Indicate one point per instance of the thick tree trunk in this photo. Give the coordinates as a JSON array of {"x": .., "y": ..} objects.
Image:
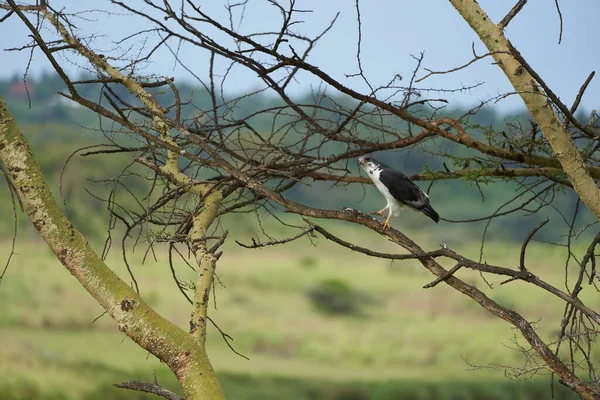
[
  {"x": 493, "y": 37},
  {"x": 175, "y": 347}
]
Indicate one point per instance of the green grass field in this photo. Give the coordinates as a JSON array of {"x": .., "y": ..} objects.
[{"x": 405, "y": 341}]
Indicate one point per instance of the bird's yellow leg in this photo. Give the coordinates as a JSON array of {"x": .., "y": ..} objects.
[
  {"x": 386, "y": 224},
  {"x": 380, "y": 212}
]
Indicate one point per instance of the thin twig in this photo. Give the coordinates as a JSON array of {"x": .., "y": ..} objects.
[
  {"x": 580, "y": 96},
  {"x": 474, "y": 59},
  {"x": 149, "y": 388},
  {"x": 389, "y": 256},
  {"x": 256, "y": 245},
  {"x": 561, "y": 21},
  {"x": 526, "y": 242},
  {"x": 12, "y": 191},
  {"x": 443, "y": 278}
]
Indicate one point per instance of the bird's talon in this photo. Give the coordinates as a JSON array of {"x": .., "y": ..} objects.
[{"x": 380, "y": 213}]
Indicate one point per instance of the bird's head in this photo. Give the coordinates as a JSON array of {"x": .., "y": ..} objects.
[{"x": 367, "y": 163}]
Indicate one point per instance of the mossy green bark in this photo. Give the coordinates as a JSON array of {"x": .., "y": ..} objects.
[
  {"x": 211, "y": 198},
  {"x": 207, "y": 262},
  {"x": 175, "y": 347}
]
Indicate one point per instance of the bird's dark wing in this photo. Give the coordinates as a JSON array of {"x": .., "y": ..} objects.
[
  {"x": 407, "y": 192},
  {"x": 403, "y": 189}
]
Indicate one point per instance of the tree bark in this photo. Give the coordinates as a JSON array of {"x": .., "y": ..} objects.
[
  {"x": 207, "y": 262},
  {"x": 536, "y": 101},
  {"x": 175, "y": 347}
]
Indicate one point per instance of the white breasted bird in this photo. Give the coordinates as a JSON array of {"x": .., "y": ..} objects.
[{"x": 398, "y": 190}]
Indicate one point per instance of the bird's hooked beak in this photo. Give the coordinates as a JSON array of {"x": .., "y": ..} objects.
[{"x": 361, "y": 160}]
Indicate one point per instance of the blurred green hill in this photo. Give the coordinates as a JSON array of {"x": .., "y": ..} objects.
[{"x": 401, "y": 342}]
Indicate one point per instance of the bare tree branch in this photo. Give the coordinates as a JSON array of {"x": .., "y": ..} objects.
[
  {"x": 511, "y": 14},
  {"x": 526, "y": 242},
  {"x": 146, "y": 387}
]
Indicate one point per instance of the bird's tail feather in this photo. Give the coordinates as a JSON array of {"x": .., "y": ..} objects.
[{"x": 431, "y": 213}]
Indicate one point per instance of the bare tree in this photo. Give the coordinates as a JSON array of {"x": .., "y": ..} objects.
[{"x": 198, "y": 168}]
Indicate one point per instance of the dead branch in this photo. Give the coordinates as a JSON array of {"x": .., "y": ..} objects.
[
  {"x": 256, "y": 245},
  {"x": 511, "y": 14},
  {"x": 147, "y": 387},
  {"x": 526, "y": 242}
]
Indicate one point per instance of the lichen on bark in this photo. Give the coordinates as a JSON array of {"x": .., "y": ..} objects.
[
  {"x": 537, "y": 103},
  {"x": 172, "y": 345}
]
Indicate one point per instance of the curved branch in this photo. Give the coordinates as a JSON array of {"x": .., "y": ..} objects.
[
  {"x": 135, "y": 318},
  {"x": 526, "y": 242}
]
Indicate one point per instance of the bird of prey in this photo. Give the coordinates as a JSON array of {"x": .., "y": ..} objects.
[{"x": 398, "y": 190}]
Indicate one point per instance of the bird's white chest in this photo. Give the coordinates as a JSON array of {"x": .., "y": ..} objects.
[{"x": 394, "y": 205}]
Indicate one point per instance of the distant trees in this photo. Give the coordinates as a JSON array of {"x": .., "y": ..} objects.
[{"x": 200, "y": 168}]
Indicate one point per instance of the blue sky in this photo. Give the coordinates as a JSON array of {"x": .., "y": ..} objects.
[{"x": 392, "y": 32}]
